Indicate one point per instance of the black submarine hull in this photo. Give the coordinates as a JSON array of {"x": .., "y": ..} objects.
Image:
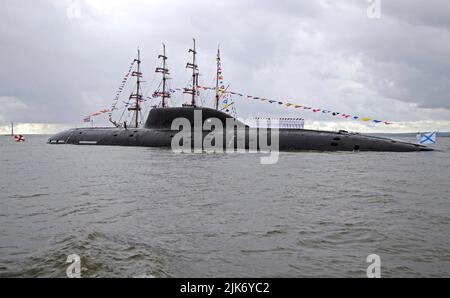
[{"x": 158, "y": 132}]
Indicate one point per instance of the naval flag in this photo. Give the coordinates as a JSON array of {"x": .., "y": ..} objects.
[
  {"x": 19, "y": 138},
  {"x": 427, "y": 138}
]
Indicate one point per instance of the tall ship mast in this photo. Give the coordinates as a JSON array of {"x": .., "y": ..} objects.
[
  {"x": 137, "y": 96},
  {"x": 195, "y": 74},
  {"x": 165, "y": 72},
  {"x": 221, "y": 94},
  {"x": 218, "y": 74}
]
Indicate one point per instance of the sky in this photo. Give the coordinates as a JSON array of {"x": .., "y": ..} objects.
[{"x": 61, "y": 60}]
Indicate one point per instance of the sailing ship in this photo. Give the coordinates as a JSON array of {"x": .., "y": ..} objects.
[
  {"x": 11, "y": 134},
  {"x": 17, "y": 138},
  {"x": 157, "y": 131}
]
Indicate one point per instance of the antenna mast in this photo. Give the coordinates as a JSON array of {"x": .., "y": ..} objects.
[
  {"x": 137, "y": 96},
  {"x": 12, "y": 128},
  {"x": 194, "y": 68},
  {"x": 164, "y": 71}
]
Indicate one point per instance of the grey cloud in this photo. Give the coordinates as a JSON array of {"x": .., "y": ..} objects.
[
  {"x": 319, "y": 52},
  {"x": 431, "y": 13}
]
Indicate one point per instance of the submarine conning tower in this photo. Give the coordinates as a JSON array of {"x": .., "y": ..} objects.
[{"x": 162, "y": 118}]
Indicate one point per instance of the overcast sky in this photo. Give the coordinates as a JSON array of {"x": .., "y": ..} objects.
[{"x": 61, "y": 60}]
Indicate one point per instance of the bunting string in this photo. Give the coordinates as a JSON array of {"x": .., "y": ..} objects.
[
  {"x": 227, "y": 100},
  {"x": 276, "y": 102},
  {"x": 122, "y": 86},
  {"x": 228, "y": 104},
  {"x": 115, "y": 101},
  {"x": 303, "y": 107}
]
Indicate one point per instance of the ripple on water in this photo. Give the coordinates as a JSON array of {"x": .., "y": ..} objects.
[
  {"x": 102, "y": 255},
  {"x": 35, "y": 195}
]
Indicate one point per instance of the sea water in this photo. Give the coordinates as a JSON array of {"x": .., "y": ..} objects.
[{"x": 148, "y": 212}]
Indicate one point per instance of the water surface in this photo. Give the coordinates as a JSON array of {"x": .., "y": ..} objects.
[{"x": 149, "y": 212}]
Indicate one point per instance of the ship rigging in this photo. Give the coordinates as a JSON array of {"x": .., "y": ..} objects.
[
  {"x": 195, "y": 74},
  {"x": 164, "y": 71},
  {"x": 137, "y": 96},
  {"x": 222, "y": 100}
]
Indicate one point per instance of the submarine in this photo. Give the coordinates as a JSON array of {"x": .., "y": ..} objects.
[{"x": 159, "y": 129}]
